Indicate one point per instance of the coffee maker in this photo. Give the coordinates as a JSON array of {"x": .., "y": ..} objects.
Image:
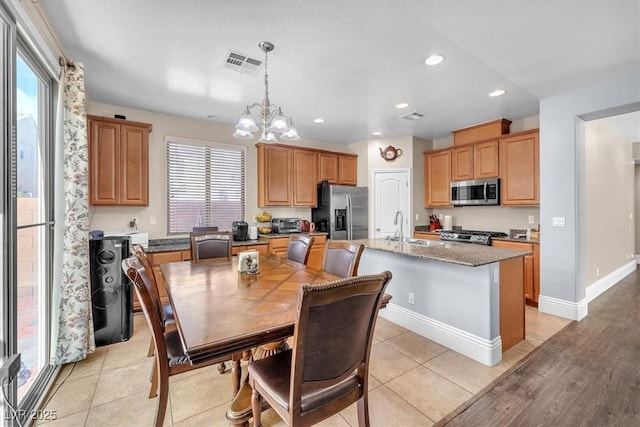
[{"x": 240, "y": 231}]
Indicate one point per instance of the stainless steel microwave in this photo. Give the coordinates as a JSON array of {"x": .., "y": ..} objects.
[{"x": 478, "y": 192}]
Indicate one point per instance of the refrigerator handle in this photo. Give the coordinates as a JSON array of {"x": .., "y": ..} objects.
[{"x": 349, "y": 218}]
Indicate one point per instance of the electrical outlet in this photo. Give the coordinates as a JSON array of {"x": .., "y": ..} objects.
[
  {"x": 417, "y": 217},
  {"x": 532, "y": 219},
  {"x": 412, "y": 298},
  {"x": 9, "y": 368},
  {"x": 152, "y": 220},
  {"x": 558, "y": 222},
  {"x": 597, "y": 272}
]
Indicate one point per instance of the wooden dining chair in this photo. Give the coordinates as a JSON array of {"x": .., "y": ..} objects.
[
  {"x": 299, "y": 248},
  {"x": 341, "y": 257},
  {"x": 169, "y": 357},
  {"x": 206, "y": 245},
  {"x": 327, "y": 369}
]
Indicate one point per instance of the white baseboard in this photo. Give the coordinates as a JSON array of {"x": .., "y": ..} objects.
[
  {"x": 578, "y": 310},
  {"x": 600, "y": 286},
  {"x": 484, "y": 351}
]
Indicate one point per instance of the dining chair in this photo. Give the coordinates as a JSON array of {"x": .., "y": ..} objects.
[
  {"x": 169, "y": 357},
  {"x": 299, "y": 248},
  {"x": 203, "y": 229},
  {"x": 206, "y": 245},
  {"x": 341, "y": 257},
  {"x": 327, "y": 368}
]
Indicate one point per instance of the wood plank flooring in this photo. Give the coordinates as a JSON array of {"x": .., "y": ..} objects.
[{"x": 586, "y": 375}]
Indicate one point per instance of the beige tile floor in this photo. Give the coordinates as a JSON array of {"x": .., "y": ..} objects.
[{"x": 414, "y": 381}]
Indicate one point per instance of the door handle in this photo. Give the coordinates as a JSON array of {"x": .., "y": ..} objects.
[
  {"x": 378, "y": 229},
  {"x": 484, "y": 191}
]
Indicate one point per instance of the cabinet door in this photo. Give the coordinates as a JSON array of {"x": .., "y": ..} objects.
[
  {"x": 347, "y": 170},
  {"x": 535, "y": 292},
  {"x": 316, "y": 256},
  {"x": 274, "y": 176},
  {"x": 328, "y": 167},
  {"x": 437, "y": 184},
  {"x": 304, "y": 178},
  {"x": 134, "y": 161},
  {"x": 104, "y": 163},
  {"x": 520, "y": 169},
  {"x": 486, "y": 160},
  {"x": 462, "y": 163},
  {"x": 426, "y": 236}
]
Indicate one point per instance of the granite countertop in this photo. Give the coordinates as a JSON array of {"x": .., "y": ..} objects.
[
  {"x": 457, "y": 253},
  {"x": 184, "y": 244}
]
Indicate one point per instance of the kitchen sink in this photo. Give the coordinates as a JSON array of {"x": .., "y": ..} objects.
[{"x": 425, "y": 242}]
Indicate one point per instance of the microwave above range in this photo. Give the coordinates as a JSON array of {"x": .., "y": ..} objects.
[{"x": 478, "y": 192}]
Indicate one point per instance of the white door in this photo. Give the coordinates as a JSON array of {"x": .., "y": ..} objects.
[{"x": 390, "y": 195}]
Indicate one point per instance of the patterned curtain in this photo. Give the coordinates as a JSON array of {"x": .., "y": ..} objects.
[{"x": 73, "y": 331}]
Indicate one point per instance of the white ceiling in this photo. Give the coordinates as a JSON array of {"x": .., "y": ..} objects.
[{"x": 349, "y": 62}]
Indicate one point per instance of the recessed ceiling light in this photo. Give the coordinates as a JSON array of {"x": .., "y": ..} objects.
[
  {"x": 376, "y": 133},
  {"x": 434, "y": 60},
  {"x": 318, "y": 120},
  {"x": 213, "y": 116},
  {"x": 497, "y": 92},
  {"x": 402, "y": 105}
]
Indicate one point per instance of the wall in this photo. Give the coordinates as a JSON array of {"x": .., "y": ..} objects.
[
  {"x": 608, "y": 219},
  {"x": 111, "y": 218},
  {"x": 562, "y": 287}
]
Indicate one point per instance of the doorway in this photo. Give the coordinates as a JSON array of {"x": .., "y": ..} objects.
[{"x": 391, "y": 189}]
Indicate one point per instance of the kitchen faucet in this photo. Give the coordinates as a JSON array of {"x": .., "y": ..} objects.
[{"x": 395, "y": 222}]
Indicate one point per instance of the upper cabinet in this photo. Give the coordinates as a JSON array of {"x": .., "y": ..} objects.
[
  {"x": 520, "y": 168},
  {"x": 118, "y": 162},
  {"x": 486, "y": 159},
  {"x": 437, "y": 176},
  {"x": 337, "y": 168},
  {"x": 288, "y": 176},
  {"x": 481, "y": 132}
]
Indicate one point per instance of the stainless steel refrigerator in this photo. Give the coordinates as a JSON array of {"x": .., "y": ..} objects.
[{"x": 342, "y": 211}]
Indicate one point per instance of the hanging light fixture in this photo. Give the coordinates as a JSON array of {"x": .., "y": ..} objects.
[{"x": 271, "y": 119}]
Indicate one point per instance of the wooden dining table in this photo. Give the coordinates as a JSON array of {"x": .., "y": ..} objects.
[{"x": 222, "y": 312}]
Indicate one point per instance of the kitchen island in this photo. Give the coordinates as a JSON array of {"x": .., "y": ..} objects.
[{"x": 467, "y": 297}]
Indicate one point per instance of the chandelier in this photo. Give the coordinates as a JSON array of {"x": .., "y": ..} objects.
[{"x": 271, "y": 120}]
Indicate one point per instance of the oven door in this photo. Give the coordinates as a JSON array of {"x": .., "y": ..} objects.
[{"x": 476, "y": 193}]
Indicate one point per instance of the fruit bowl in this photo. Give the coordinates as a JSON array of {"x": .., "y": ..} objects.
[{"x": 264, "y": 230}]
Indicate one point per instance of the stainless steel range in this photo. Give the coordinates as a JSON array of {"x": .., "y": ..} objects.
[{"x": 471, "y": 236}]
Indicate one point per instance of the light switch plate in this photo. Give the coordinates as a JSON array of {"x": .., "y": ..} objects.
[
  {"x": 558, "y": 222},
  {"x": 532, "y": 219}
]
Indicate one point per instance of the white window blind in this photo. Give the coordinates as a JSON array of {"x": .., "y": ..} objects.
[{"x": 205, "y": 185}]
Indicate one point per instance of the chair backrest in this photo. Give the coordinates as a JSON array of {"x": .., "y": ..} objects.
[
  {"x": 203, "y": 229},
  {"x": 341, "y": 257},
  {"x": 299, "y": 248},
  {"x": 334, "y": 331},
  {"x": 138, "y": 251},
  {"x": 140, "y": 278},
  {"x": 210, "y": 245}
]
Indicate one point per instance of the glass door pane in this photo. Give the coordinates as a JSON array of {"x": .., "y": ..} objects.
[{"x": 32, "y": 234}]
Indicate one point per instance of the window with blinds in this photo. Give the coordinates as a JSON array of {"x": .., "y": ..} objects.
[{"x": 205, "y": 185}]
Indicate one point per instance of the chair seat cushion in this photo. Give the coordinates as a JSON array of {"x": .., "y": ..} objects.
[
  {"x": 167, "y": 314},
  {"x": 174, "y": 349},
  {"x": 274, "y": 375}
]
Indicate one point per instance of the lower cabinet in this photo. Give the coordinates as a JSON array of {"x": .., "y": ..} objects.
[
  {"x": 262, "y": 249},
  {"x": 531, "y": 267},
  {"x": 278, "y": 246},
  {"x": 157, "y": 258},
  {"x": 426, "y": 236}
]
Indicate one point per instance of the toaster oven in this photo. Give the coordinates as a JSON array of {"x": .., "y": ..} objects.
[{"x": 286, "y": 225}]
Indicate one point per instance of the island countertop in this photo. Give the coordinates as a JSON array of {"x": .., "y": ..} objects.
[{"x": 468, "y": 254}]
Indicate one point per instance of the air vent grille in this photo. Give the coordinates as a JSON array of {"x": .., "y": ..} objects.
[
  {"x": 411, "y": 116},
  {"x": 241, "y": 63}
]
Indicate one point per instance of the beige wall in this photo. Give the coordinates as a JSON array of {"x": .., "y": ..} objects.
[
  {"x": 609, "y": 201},
  {"x": 112, "y": 218}
]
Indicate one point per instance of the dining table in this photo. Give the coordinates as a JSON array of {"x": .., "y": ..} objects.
[{"x": 222, "y": 312}]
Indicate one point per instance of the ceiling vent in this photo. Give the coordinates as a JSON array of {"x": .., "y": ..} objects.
[
  {"x": 242, "y": 63},
  {"x": 411, "y": 116}
]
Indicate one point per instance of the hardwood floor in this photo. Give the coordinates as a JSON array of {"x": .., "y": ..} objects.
[{"x": 586, "y": 375}]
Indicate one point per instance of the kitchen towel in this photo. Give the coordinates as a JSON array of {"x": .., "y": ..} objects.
[{"x": 447, "y": 222}]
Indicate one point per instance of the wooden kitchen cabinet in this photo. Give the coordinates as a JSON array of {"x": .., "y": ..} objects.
[
  {"x": 520, "y": 169},
  {"x": 275, "y": 178},
  {"x": 262, "y": 249},
  {"x": 304, "y": 178},
  {"x": 277, "y": 245},
  {"x": 337, "y": 168},
  {"x": 118, "y": 162},
  {"x": 316, "y": 257},
  {"x": 531, "y": 267},
  {"x": 426, "y": 236},
  {"x": 157, "y": 258},
  {"x": 475, "y": 161},
  {"x": 437, "y": 177}
]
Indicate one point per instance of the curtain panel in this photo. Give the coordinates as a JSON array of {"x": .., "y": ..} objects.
[{"x": 74, "y": 337}]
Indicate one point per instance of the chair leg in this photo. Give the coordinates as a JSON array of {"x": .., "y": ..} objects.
[
  {"x": 151, "y": 349},
  {"x": 256, "y": 407},
  {"x": 161, "y": 407},
  {"x": 363, "y": 411},
  {"x": 153, "y": 392}
]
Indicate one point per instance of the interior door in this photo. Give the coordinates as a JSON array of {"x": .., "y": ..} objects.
[{"x": 390, "y": 194}]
